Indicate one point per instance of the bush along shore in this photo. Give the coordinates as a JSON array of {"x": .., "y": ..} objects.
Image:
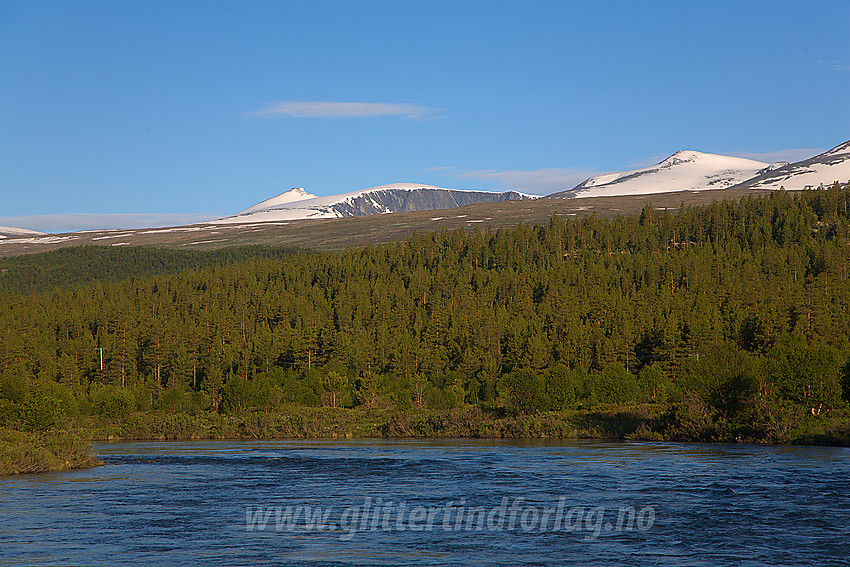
[
  {"x": 70, "y": 447},
  {"x": 24, "y": 452},
  {"x": 334, "y": 423},
  {"x": 727, "y": 322},
  {"x": 640, "y": 422}
]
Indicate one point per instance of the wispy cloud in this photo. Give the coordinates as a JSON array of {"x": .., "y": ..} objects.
[
  {"x": 318, "y": 109},
  {"x": 792, "y": 155},
  {"x": 834, "y": 64},
  {"x": 536, "y": 182},
  {"x": 73, "y": 222}
]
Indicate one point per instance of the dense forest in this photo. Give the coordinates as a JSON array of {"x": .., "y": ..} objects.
[
  {"x": 730, "y": 319},
  {"x": 70, "y": 267}
]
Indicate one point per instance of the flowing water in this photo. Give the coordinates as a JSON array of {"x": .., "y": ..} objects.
[{"x": 434, "y": 502}]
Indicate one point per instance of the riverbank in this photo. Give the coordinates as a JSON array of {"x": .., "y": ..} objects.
[
  {"x": 26, "y": 452},
  {"x": 299, "y": 422},
  {"x": 641, "y": 422},
  {"x": 23, "y": 452}
]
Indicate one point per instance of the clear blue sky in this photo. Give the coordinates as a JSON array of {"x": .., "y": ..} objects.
[{"x": 206, "y": 108}]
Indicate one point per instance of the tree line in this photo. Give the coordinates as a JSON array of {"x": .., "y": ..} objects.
[
  {"x": 79, "y": 265},
  {"x": 733, "y": 314}
]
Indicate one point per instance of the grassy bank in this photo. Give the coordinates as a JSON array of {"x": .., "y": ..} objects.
[
  {"x": 57, "y": 450},
  {"x": 643, "y": 422},
  {"x": 300, "y": 422},
  {"x": 26, "y": 452}
]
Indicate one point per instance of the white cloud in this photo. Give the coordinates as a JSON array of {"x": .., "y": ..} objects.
[
  {"x": 792, "y": 155},
  {"x": 73, "y": 222},
  {"x": 536, "y": 182},
  {"x": 306, "y": 109}
]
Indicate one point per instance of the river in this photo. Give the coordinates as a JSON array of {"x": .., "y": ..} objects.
[{"x": 434, "y": 502}]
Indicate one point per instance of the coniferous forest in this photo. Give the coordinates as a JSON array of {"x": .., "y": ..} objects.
[{"x": 721, "y": 322}]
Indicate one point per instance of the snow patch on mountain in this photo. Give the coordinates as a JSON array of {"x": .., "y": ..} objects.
[
  {"x": 394, "y": 198},
  {"x": 9, "y": 232},
  {"x": 686, "y": 170},
  {"x": 822, "y": 169},
  {"x": 774, "y": 166},
  {"x": 291, "y": 196}
]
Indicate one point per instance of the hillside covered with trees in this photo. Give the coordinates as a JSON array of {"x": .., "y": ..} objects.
[{"x": 722, "y": 322}]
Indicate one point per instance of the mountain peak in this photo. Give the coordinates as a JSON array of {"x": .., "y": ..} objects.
[
  {"x": 290, "y": 196},
  {"x": 686, "y": 170},
  {"x": 680, "y": 157},
  {"x": 294, "y": 194},
  {"x": 296, "y": 204}
]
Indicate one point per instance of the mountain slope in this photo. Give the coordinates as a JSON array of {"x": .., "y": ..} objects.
[
  {"x": 342, "y": 233},
  {"x": 685, "y": 170},
  {"x": 823, "y": 169},
  {"x": 6, "y": 232},
  {"x": 287, "y": 197},
  {"x": 295, "y": 204}
]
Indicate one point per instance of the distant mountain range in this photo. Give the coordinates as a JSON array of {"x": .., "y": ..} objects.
[
  {"x": 297, "y": 204},
  {"x": 696, "y": 171},
  {"x": 686, "y": 170}
]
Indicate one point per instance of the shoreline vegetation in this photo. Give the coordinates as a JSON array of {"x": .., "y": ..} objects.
[
  {"x": 24, "y": 452},
  {"x": 64, "y": 449},
  {"x": 728, "y": 322},
  {"x": 645, "y": 422}
]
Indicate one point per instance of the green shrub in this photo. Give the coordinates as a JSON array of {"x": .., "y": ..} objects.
[
  {"x": 655, "y": 385},
  {"x": 52, "y": 450},
  {"x": 239, "y": 395},
  {"x": 806, "y": 374},
  {"x": 613, "y": 385},
  {"x": 112, "y": 403},
  {"x": 34, "y": 405},
  {"x": 561, "y": 386},
  {"x": 524, "y": 391},
  {"x": 725, "y": 379}
]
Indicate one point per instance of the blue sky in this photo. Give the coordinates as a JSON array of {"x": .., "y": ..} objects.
[{"x": 175, "y": 111}]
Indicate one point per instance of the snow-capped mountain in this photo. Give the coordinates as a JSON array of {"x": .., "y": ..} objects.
[
  {"x": 7, "y": 232},
  {"x": 695, "y": 171},
  {"x": 685, "y": 170},
  {"x": 285, "y": 198},
  {"x": 823, "y": 169},
  {"x": 297, "y": 204}
]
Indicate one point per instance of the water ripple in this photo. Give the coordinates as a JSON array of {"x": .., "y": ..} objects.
[{"x": 190, "y": 503}]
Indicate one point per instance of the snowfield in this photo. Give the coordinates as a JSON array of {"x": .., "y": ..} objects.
[
  {"x": 688, "y": 170},
  {"x": 685, "y": 170},
  {"x": 6, "y": 231},
  {"x": 297, "y": 204},
  {"x": 293, "y": 195},
  {"x": 823, "y": 169}
]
